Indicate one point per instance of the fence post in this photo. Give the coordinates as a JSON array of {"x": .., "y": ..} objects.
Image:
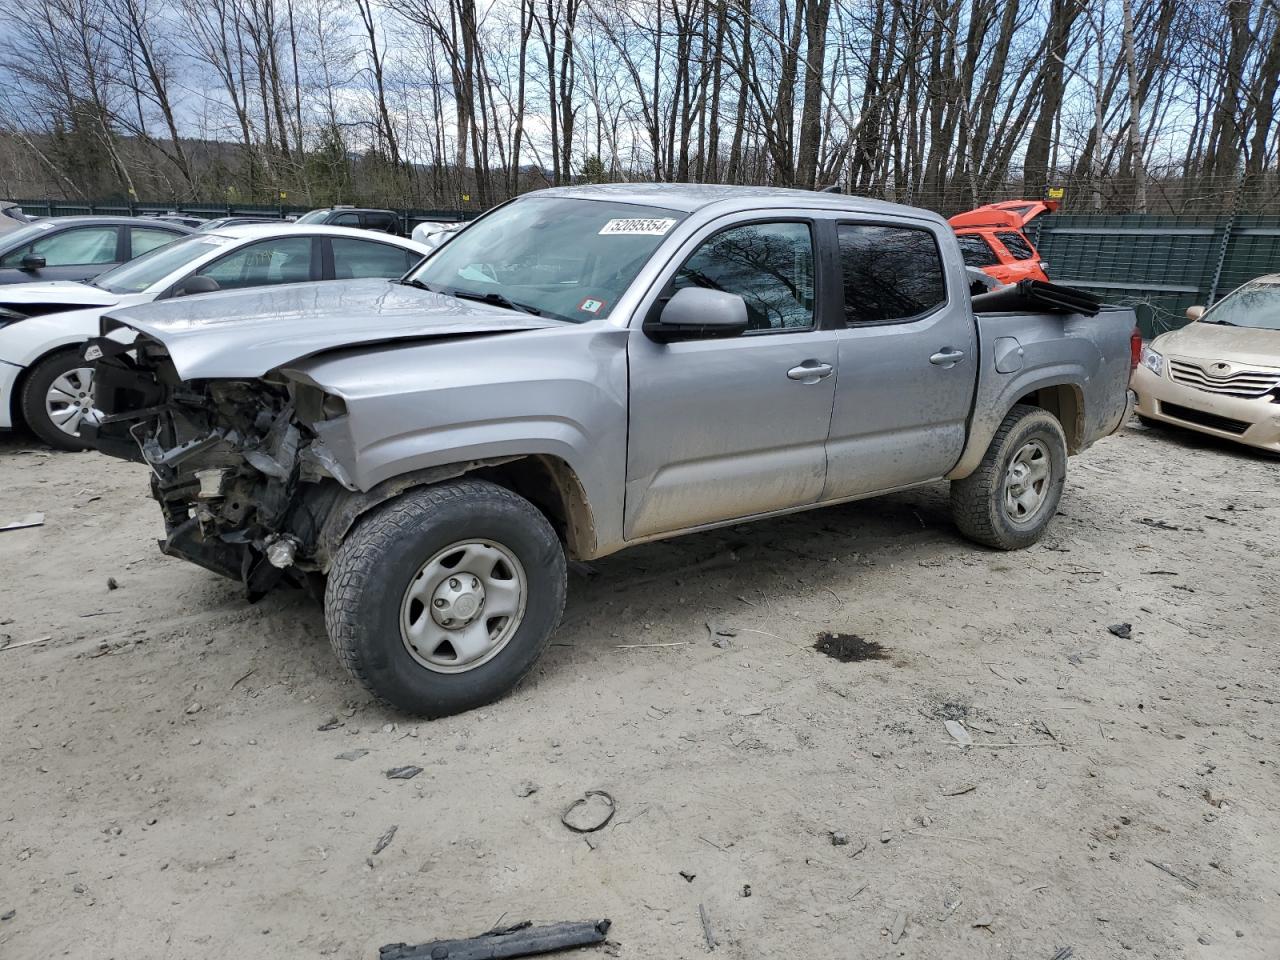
[{"x": 1228, "y": 229}]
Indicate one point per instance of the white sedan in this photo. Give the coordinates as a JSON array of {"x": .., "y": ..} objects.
[{"x": 45, "y": 383}]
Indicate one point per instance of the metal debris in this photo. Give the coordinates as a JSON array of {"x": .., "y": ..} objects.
[
  {"x": 403, "y": 773},
  {"x": 590, "y": 812},
  {"x": 385, "y": 839},
  {"x": 22, "y": 523}
]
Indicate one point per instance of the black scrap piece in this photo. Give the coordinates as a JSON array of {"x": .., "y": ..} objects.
[
  {"x": 849, "y": 647},
  {"x": 520, "y": 940}
]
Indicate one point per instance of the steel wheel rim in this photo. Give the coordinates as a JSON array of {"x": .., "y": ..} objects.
[
  {"x": 69, "y": 400},
  {"x": 1026, "y": 482},
  {"x": 463, "y": 606}
]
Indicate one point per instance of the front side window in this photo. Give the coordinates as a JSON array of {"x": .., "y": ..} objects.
[
  {"x": 563, "y": 257},
  {"x": 353, "y": 259},
  {"x": 282, "y": 260},
  {"x": 976, "y": 251},
  {"x": 769, "y": 265},
  {"x": 1017, "y": 245},
  {"x": 890, "y": 273},
  {"x": 145, "y": 239},
  {"x": 70, "y": 248}
]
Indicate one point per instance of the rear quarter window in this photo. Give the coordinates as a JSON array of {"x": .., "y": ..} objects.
[
  {"x": 1017, "y": 245},
  {"x": 976, "y": 251}
]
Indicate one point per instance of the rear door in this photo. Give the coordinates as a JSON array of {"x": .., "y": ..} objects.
[
  {"x": 728, "y": 428},
  {"x": 907, "y": 359}
]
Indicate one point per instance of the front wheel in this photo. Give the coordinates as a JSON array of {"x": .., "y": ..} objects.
[
  {"x": 57, "y": 399},
  {"x": 1008, "y": 501},
  {"x": 443, "y": 599}
]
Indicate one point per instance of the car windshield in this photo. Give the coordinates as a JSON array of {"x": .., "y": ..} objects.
[
  {"x": 146, "y": 271},
  {"x": 315, "y": 216},
  {"x": 560, "y": 257},
  {"x": 24, "y": 235},
  {"x": 1256, "y": 305}
]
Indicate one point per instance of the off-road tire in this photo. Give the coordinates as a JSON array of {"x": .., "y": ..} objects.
[
  {"x": 977, "y": 501},
  {"x": 31, "y": 400},
  {"x": 383, "y": 553}
]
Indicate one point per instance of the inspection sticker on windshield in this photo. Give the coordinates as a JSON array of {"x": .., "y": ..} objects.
[
  {"x": 591, "y": 306},
  {"x": 637, "y": 227}
]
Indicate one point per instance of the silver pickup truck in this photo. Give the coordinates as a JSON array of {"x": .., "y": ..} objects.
[{"x": 580, "y": 370}]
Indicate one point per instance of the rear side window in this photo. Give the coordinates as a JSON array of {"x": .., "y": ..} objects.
[
  {"x": 146, "y": 239},
  {"x": 379, "y": 221},
  {"x": 1017, "y": 245},
  {"x": 890, "y": 273},
  {"x": 346, "y": 220},
  {"x": 976, "y": 251},
  {"x": 769, "y": 265},
  {"x": 354, "y": 259}
]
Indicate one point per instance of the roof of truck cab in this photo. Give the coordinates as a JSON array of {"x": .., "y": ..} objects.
[{"x": 689, "y": 197}]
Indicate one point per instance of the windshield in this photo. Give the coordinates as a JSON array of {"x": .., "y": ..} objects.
[
  {"x": 24, "y": 235},
  {"x": 315, "y": 216},
  {"x": 138, "y": 275},
  {"x": 1256, "y": 305},
  {"x": 561, "y": 257}
]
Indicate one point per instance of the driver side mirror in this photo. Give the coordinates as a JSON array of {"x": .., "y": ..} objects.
[
  {"x": 696, "y": 313},
  {"x": 197, "y": 284},
  {"x": 31, "y": 262},
  {"x": 1195, "y": 313}
]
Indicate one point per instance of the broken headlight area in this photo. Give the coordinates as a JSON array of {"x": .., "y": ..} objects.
[{"x": 241, "y": 476}]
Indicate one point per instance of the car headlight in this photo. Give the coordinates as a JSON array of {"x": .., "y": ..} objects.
[{"x": 1152, "y": 361}]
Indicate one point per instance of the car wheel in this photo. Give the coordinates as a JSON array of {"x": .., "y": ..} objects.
[
  {"x": 1008, "y": 501},
  {"x": 57, "y": 398},
  {"x": 443, "y": 599}
]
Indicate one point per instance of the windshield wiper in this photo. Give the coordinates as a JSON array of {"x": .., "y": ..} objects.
[
  {"x": 497, "y": 299},
  {"x": 415, "y": 282}
]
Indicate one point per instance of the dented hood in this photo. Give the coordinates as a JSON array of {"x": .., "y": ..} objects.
[{"x": 247, "y": 333}]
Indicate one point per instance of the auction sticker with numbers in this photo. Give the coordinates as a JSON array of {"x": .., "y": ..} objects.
[{"x": 637, "y": 227}]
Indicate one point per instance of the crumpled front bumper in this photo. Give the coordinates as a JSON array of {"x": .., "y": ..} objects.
[{"x": 1255, "y": 422}]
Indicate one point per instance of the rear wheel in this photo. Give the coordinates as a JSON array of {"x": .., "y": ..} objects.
[
  {"x": 57, "y": 399},
  {"x": 1008, "y": 501},
  {"x": 442, "y": 600}
]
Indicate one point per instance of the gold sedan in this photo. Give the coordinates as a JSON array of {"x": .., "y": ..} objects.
[{"x": 1220, "y": 374}]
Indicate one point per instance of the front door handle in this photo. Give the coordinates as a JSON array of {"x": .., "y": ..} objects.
[
  {"x": 811, "y": 371},
  {"x": 947, "y": 357}
]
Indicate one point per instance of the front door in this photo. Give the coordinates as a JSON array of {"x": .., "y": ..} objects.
[
  {"x": 728, "y": 428},
  {"x": 907, "y": 358}
]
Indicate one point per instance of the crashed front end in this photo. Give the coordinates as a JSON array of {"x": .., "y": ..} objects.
[{"x": 239, "y": 467}]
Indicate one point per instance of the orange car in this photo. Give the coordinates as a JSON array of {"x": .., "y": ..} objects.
[{"x": 992, "y": 240}]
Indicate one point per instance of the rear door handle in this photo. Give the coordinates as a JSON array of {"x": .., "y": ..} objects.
[
  {"x": 811, "y": 371},
  {"x": 947, "y": 357}
]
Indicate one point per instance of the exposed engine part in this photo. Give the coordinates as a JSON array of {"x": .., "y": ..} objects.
[
  {"x": 281, "y": 552},
  {"x": 244, "y": 482}
]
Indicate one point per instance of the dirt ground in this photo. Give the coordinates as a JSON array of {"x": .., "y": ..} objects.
[{"x": 171, "y": 785}]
